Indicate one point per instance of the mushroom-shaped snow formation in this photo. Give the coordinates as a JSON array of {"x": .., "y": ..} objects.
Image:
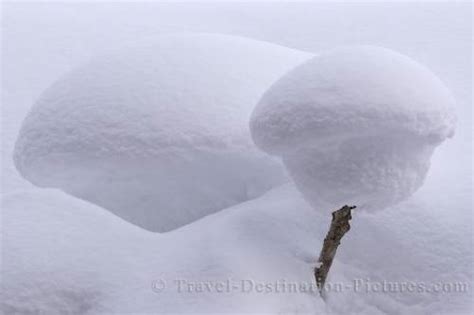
[
  {"x": 157, "y": 133},
  {"x": 355, "y": 126}
]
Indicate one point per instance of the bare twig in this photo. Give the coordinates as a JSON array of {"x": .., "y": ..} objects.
[{"x": 339, "y": 227}]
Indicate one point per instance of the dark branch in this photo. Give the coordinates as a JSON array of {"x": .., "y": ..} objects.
[{"x": 339, "y": 227}]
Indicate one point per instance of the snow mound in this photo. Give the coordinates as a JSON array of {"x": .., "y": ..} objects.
[
  {"x": 157, "y": 133},
  {"x": 355, "y": 125}
]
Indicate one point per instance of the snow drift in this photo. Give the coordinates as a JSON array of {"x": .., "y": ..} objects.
[
  {"x": 355, "y": 125},
  {"x": 60, "y": 253},
  {"x": 67, "y": 256},
  {"x": 158, "y": 133}
]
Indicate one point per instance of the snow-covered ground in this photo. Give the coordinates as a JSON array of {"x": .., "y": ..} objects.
[{"x": 64, "y": 255}]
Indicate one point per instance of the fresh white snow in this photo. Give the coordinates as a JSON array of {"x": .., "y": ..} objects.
[
  {"x": 63, "y": 255},
  {"x": 66, "y": 255},
  {"x": 157, "y": 133},
  {"x": 355, "y": 125}
]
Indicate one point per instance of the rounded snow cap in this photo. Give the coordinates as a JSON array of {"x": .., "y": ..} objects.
[
  {"x": 157, "y": 133},
  {"x": 355, "y": 125}
]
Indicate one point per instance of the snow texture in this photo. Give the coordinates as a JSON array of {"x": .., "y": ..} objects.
[
  {"x": 67, "y": 256},
  {"x": 355, "y": 125},
  {"x": 61, "y": 255},
  {"x": 158, "y": 133}
]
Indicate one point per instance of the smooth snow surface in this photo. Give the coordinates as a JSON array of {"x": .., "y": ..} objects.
[
  {"x": 62, "y": 255},
  {"x": 69, "y": 256},
  {"x": 355, "y": 125},
  {"x": 158, "y": 133}
]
